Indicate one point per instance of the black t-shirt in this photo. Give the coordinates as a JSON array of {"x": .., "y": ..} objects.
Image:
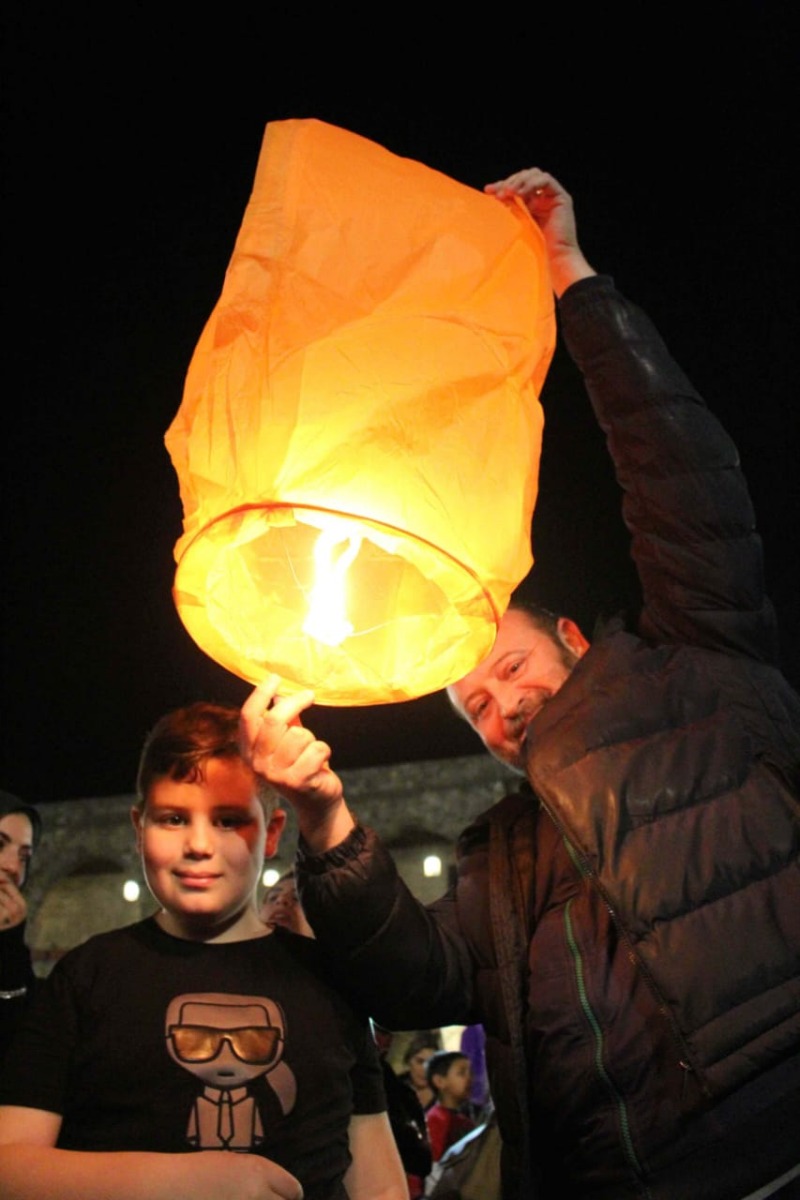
[
  {"x": 142, "y": 1041},
  {"x": 17, "y": 983}
]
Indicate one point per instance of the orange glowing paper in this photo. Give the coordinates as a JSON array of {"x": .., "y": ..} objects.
[{"x": 364, "y": 396}]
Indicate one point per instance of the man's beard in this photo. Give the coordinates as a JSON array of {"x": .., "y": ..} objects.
[{"x": 527, "y": 713}]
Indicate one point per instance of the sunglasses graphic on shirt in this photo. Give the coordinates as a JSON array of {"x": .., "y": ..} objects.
[{"x": 257, "y": 1044}]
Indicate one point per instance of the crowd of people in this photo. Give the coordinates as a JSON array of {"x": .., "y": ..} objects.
[{"x": 624, "y": 930}]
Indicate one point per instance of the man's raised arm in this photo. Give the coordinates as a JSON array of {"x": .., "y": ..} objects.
[{"x": 551, "y": 207}]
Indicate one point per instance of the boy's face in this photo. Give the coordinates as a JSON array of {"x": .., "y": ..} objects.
[
  {"x": 203, "y": 846},
  {"x": 456, "y": 1083}
]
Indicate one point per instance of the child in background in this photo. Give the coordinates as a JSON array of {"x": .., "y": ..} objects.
[
  {"x": 281, "y": 906},
  {"x": 200, "y": 1028},
  {"x": 450, "y": 1075}
]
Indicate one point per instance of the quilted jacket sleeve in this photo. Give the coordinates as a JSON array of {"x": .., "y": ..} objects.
[
  {"x": 408, "y": 965},
  {"x": 685, "y": 501}
]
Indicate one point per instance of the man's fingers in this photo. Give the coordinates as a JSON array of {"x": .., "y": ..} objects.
[
  {"x": 519, "y": 182},
  {"x": 265, "y": 714},
  {"x": 312, "y": 779},
  {"x": 254, "y": 707},
  {"x": 287, "y": 709},
  {"x": 529, "y": 183},
  {"x": 279, "y": 747},
  {"x": 312, "y": 761},
  {"x": 289, "y": 747},
  {"x": 260, "y": 699},
  {"x": 298, "y": 757}
]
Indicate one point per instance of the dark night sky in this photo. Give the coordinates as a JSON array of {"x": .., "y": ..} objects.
[{"x": 129, "y": 152}]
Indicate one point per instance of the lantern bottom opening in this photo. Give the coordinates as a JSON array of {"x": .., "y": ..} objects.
[{"x": 412, "y": 618}]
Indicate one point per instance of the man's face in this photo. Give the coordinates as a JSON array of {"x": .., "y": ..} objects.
[
  {"x": 16, "y": 847},
  {"x": 202, "y": 846},
  {"x": 504, "y": 693}
]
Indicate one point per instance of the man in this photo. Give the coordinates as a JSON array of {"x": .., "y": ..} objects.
[
  {"x": 20, "y": 830},
  {"x": 627, "y": 928}
]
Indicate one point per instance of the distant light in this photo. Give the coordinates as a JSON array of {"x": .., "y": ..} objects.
[
  {"x": 431, "y": 866},
  {"x": 130, "y": 890},
  {"x": 270, "y": 877}
]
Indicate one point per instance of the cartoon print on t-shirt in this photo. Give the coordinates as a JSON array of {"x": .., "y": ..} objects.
[{"x": 227, "y": 1040}]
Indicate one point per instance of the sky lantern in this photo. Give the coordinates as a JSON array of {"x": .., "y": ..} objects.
[{"x": 358, "y": 442}]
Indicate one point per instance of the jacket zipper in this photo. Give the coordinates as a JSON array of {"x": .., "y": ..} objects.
[
  {"x": 616, "y": 1096},
  {"x": 684, "y": 1057}
]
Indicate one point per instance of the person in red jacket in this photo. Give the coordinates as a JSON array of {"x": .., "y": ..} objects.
[{"x": 450, "y": 1075}]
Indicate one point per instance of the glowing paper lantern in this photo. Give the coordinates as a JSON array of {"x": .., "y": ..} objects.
[{"x": 363, "y": 401}]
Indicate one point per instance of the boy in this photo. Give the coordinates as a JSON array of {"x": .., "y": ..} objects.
[
  {"x": 197, "y": 1029},
  {"x": 450, "y": 1075}
]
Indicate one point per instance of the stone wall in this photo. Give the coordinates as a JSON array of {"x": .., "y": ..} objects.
[{"x": 88, "y": 851}]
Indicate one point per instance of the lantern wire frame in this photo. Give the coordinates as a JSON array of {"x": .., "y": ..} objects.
[{"x": 257, "y": 629}]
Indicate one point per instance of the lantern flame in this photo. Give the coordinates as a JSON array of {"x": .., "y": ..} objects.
[{"x": 327, "y": 619}]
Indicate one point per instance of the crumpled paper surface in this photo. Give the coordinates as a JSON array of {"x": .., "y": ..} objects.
[{"x": 373, "y": 363}]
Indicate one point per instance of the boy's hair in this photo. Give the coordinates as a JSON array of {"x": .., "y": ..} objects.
[
  {"x": 440, "y": 1063},
  {"x": 182, "y": 741}
]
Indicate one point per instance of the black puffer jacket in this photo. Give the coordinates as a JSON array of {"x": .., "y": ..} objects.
[{"x": 659, "y": 987}]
